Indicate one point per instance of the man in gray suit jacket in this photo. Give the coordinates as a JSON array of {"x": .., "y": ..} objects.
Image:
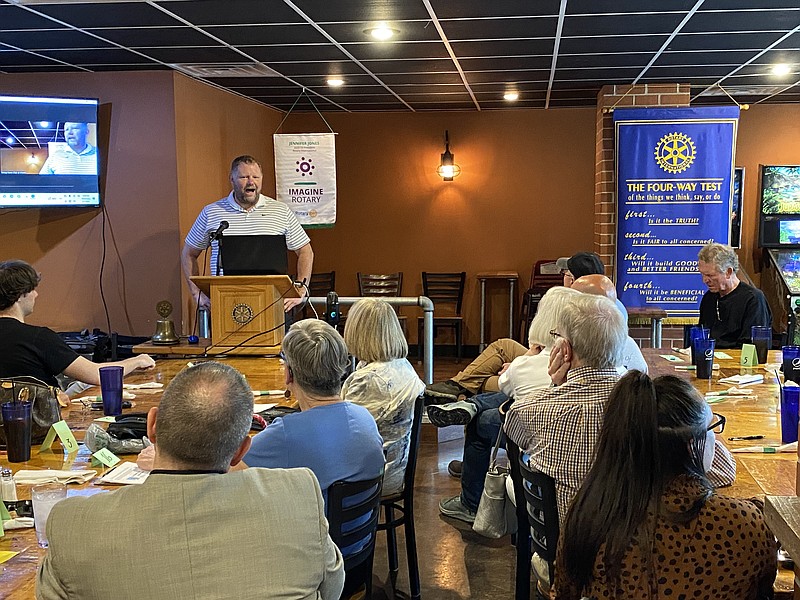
[{"x": 193, "y": 529}]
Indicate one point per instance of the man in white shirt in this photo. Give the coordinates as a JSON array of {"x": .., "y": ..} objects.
[
  {"x": 247, "y": 212},
  {"x": 79, "y": 157}
]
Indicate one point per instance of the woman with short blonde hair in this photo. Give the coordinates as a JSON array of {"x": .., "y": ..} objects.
[{"x": 384, "y": 382}]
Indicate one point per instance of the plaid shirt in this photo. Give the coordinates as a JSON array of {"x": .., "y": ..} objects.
[{"x": 560, "y": 426}]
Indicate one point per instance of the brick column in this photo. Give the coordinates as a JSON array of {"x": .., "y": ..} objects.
[{"x": 605, "y": 195}]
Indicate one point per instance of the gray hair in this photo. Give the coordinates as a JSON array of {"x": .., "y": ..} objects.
[
  {"x": 546, "y": 319},
  {"x": 595, "y": 329},
  {"x": 204, "y": 415},
  {"x": 719, "y": 255},
  {"x": 317, "y": 357},
  {"x": 373, "y": 333}
]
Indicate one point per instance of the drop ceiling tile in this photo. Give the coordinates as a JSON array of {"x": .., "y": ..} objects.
[
  {"x": 653, "y": 24},
  {"x": 315, "y": 52},
  {"x": 474, "y": 9},
  {"x": 267, "y": 35},
  {"x": 121, "y": 14},
  {"x": 627, "y": 6},
  {"x": 233, "y": 12},
  {"x": 723, "y": 41},
  {"x": 531, "y": 27},
  {"x": 51, "y": 40}
]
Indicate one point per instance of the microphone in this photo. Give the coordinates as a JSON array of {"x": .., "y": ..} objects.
[
  {"x": 223, "y": 225},
  {"x": 332, "y": 309}
]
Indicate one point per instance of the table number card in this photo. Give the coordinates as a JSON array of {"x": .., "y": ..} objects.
[
  {"x": 749, "y": 356},
  {"x": 106, "y": 457},
  {"x": 65, "y": 435}
]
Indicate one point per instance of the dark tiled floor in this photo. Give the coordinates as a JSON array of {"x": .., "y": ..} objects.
[{"x": 455, "y": 562}]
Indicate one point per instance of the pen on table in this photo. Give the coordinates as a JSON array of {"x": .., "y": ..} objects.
[
  {"x": 268, "y": 392},
  {"x": 693, "y": 367},
  {"x": 790, "y": 447},
  {"x": 745, "y": 437}
]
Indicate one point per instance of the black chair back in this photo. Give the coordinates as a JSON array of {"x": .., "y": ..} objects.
[
  {"x": 535, "y": 495},
  {"x": 445, "y": 288},
  {"x": 349, "y": 502},
  {"x": 403, "y": 503},
  {"x": 322, "y": 283},
  {"x": 386, "y": 285}
]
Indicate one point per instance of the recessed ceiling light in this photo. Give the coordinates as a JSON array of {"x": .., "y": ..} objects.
[
  {"x": 781, "y": 69},
  {"x": 381, "y": 32},
  {"x": 9, "y": 140},
  {"x": 335, "y": 82},
  {"x": 511, "y": 96}
]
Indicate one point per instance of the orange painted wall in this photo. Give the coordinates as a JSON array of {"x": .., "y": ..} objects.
[
  {"x": 768, "y": 135},
  {"x": 137, "y": 141},
  {"x": 525, "y": 194}
]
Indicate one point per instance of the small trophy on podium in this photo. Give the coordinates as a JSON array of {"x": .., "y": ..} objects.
[{"x": 165, "y": 328}]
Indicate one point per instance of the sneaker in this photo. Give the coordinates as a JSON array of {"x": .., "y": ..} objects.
[
  {"x": 455, "y": 413},
  {"x": 453, "y": 507},
  {"x": 448, "y": 391},
  {"x": 454, "y": 468}
]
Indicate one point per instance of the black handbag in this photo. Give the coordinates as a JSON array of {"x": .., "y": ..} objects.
[{"x": 45, "y": 411}]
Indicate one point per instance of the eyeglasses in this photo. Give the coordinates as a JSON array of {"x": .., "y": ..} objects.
[
  {"x": 556, "y": 335},
  {"x": 717, "y": 424}
]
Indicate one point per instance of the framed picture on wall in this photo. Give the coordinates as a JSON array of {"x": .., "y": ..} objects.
[{"x": 736, "y": 207}]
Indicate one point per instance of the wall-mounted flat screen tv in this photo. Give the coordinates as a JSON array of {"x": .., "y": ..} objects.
[
  {"x": 48, "y": 152},
  {"x": 780, "y": 190}
]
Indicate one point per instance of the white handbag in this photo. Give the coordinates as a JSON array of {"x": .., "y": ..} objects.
[{"x": 496, "y": 516}]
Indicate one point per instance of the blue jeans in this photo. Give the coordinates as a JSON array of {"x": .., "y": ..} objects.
[{"x": 479, "y": 440}]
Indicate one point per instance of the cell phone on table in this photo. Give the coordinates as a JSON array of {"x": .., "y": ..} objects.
[{"x": 98, "y": 404}]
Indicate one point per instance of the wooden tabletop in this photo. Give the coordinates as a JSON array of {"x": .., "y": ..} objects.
[
  {"x": 17, "y": 575},
  {"x": 498, "y": 275},
  {"x": 757, "y": 474}
]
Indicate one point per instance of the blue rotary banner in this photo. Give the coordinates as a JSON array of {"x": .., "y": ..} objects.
[{"x": 674, "y": 188}]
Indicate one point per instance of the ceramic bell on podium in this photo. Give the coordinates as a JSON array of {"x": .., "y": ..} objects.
[{"x": 165, "y": 328}]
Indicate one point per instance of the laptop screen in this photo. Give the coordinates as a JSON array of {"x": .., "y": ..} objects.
[{"x": 253, "y": 255}]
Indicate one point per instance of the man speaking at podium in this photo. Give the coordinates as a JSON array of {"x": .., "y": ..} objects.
[{"x": 245, "y": 212}]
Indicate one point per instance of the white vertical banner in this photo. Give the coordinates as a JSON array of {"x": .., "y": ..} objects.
[{"x": 305, "y": 176}]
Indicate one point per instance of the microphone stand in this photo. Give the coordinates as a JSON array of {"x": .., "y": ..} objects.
[{"x": 219, "y": 254}]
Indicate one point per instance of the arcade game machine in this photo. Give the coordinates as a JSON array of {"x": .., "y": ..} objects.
[{"x": 779, "y": 236}]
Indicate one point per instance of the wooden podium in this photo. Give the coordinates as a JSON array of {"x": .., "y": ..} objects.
[{"x": 246, "y": 312}]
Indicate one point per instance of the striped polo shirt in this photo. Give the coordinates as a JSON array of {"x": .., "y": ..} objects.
[
  {"x": 65, "y": 161},
  {"x": 267, "y": 217}
]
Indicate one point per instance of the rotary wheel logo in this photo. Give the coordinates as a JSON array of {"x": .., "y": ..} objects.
[
  {"x": 242, "y": 314},
  {"x": 304, "y": 166},
  {"x": 675, "y": 152}
]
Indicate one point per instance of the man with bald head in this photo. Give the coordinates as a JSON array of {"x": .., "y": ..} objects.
[
  {"x": 192, "y": 521},
  {"x": 600, "y": 285}
]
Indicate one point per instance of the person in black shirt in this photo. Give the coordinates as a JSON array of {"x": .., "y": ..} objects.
[
  {"x": 730, "y": 307},
  {"x": 38, "y": 351}
]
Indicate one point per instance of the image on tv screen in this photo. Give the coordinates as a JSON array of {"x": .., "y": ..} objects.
[
  {"x": 780, "y": 190},
  {"x": 48, "y": 152},
  {"x": 789, "y": 233}
]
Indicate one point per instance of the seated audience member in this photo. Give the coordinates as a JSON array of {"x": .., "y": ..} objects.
[
  {"x": 583, "y": 264},
  {"x": 481, "y": 414},
  {"x": 38, "y": 351},
  {"x": 559, "y": 426},
  {"x": 646, "y": 522},
  {"x": 482, "y": 374},
  {"x": 384, "y": 382},
  {"x": 600, "y": 285},
  {"x": 730, "y": 307},
  {"x": 337, "y": 440},
  {"x": 193, "y": 529}
]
